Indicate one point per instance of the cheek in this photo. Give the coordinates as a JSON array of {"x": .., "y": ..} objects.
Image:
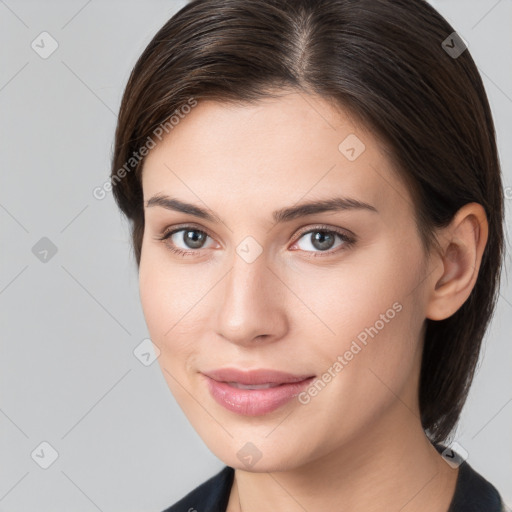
[
  {"x": 373, "y": 290},
  {"x": 374, "y": 311},
  {"x": 167, "y": 296},
  {"x": 165, "y": 307},
  {"x": 156, "y": 298}
]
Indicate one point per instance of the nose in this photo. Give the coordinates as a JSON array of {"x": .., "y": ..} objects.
[{"x": 251, "y": 305}]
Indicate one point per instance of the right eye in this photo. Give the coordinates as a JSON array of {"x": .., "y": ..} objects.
[{"x": 192, "y": 240}]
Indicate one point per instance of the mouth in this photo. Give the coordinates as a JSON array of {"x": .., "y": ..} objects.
[
  {"x": 254, "y": 392},
  {"x": 238, "y": 385}
]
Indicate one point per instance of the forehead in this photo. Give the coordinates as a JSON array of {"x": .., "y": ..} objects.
[{"x": 275, "y": 151}]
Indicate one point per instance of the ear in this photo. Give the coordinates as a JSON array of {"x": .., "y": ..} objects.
[{"x": 462, "y": 245}]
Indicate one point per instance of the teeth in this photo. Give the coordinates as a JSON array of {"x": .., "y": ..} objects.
[{"x": 252, "y": 386}]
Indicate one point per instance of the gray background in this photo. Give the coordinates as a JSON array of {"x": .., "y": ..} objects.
[{"x": 68, "y": 375}]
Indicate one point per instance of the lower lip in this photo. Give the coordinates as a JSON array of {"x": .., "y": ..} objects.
[{"x": 254, "y": 402}]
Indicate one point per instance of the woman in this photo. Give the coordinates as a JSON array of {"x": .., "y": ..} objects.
[{"x": 316, "y": 204}]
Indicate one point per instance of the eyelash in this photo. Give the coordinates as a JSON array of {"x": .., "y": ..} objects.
[{"x": 348, "y": 241}]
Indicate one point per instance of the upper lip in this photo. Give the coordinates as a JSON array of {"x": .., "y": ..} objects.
[{"x": 257, "y": 376}]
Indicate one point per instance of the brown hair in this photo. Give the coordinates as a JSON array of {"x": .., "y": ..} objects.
[{"x": 381, "y": 60}]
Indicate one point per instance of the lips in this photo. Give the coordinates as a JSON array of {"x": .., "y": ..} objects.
[
  {"x": 254, "y": 392},
  {"x": 256, "y": 377}
]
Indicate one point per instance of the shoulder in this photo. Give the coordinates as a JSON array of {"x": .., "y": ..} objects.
[
  {"x": 211, "y": 496},
  {"x": 473, "y": 493}
]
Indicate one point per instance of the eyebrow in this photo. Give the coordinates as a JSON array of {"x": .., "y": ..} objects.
[{"x": 283, "y": 215}]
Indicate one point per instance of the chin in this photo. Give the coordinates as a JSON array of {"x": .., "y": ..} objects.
[{"x": 256, "y": 453}]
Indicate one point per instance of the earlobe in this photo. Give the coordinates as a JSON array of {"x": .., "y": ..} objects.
[{"x": 462, "y": 246}]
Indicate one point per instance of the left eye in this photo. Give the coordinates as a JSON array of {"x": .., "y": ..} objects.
[{"x": 322, "y": 240}]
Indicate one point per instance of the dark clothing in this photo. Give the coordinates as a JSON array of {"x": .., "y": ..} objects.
[{"x": 473, "y": 493}]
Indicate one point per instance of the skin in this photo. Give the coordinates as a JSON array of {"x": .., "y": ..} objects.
[{"x": 358, "y": 442}]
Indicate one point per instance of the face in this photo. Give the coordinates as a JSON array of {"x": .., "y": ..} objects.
[{"x": 332, "y": 295}]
